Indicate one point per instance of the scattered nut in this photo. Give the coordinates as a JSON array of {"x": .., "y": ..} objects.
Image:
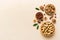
[
  {"x": 54, "y": 21},
  {"x": 45, "y": 18},
  {"x": 34, "y": 21},
  {"x": 51, "y": 17},
  {"x": 44, "y": 4},
  {"x": 44, "y": 14},
  {"x": 55, "y": 16},
  {"x": 42, "y": 8},
  {"x": 39, "y": 21}
]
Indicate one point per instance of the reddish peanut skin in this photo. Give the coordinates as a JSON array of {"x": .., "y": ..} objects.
[{"x": 39, "y": 15}]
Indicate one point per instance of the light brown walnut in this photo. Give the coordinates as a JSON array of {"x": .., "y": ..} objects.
[{"x": 50, "y": 9}]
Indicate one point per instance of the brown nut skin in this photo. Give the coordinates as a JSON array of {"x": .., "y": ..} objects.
[
  {"x": 47, "y": 29},
  {"x": 50, "y": 9},
  {"x": 54, "y": 21},
  {"x": 42, "y": 8},
  {"x": 39, "y": 15}
]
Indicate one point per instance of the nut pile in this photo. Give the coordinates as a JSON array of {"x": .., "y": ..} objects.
[
  {"x": 47, "y": 29},
  {"x": 50, "y": 9}
]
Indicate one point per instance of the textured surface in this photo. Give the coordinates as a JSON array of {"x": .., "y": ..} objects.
[
  {"x": 47, "y": 29},
  {"x": 50, "y": 9}
]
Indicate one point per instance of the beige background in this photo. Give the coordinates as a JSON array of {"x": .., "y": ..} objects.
[{"x": 16, "y": 19}]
